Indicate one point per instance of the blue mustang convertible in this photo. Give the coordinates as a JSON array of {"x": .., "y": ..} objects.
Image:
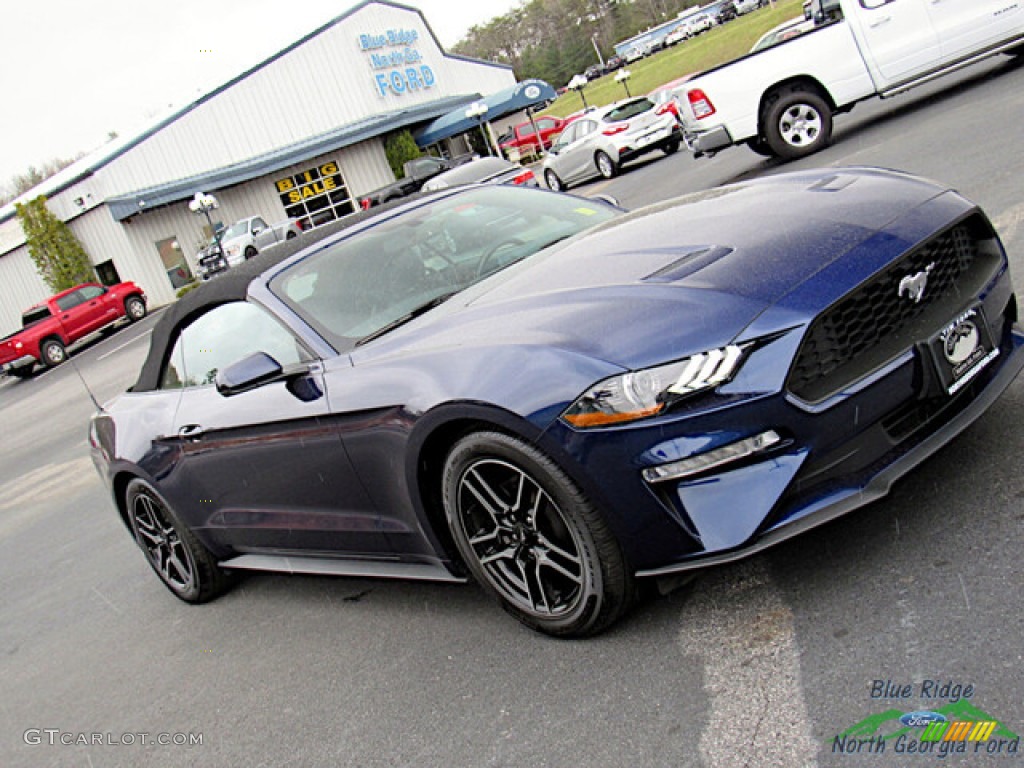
[{"x": 558, "y": 398}]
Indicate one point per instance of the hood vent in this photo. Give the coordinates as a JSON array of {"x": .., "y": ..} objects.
[{"x": 693, "y": 261}]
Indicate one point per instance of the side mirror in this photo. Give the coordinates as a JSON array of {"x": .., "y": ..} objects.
[
  {"x": 248, "y": 373},
  {"x": 256, "y": 229},
  {"x": 259, "y": 369}
]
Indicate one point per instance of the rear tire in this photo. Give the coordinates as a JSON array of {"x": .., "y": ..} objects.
[
  {"x": 532, "y": 539},
  {"x": 797, "y": 123},
  {"x": 672, "y": 147},
  {"x": 53, "y": 353},
  {"x": 605, "y": 165},
  {"x": 186, "y": 567}
]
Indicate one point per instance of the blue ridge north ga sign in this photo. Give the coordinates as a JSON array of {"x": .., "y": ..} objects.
[{"x": 397, "y": 62}]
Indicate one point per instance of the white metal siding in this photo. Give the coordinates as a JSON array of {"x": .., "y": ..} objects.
[
  {"x": 22, "y": 288},
  {"x": 322, "y": 84}
]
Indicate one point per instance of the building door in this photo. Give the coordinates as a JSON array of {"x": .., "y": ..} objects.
[{"x": 178, "y": 270}]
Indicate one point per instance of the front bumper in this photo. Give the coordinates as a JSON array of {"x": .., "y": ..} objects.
[
  {"x": 834, "y": 455},
  {"x": 811, "y": 512}
]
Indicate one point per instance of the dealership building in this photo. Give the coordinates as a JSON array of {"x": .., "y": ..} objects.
[{"x": 299, "y": 135}]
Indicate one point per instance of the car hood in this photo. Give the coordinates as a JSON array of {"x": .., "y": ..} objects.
[{"x": 682, "y": 276}]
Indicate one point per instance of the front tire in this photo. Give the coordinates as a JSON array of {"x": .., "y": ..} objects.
[
  {"x": 53, "y": 353},
  {"x": 797, "y": 123},
  {"x": 532, "y": 539},
  {"x": 553, "y": 182},
  {"x": 186, "y": 567},
  {"x": 249, "y": 252},
  {"x": 134, "y": 308},
  {"x": 605, "y": 165}
]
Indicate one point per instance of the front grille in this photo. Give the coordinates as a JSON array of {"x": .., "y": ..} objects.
[{"x": 874, "y": 324}]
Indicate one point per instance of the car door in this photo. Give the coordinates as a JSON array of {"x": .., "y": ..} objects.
[
  {"x": 262, "y": 235},
  {"x": 559, "y": 159},
  {"x": 264, "y": 470},
  {"x": 968, "y": 26},
  {"x": 899, "y": 39},
  {"x": 583, "y": 149},
  {"x": 80, "y": 314}
]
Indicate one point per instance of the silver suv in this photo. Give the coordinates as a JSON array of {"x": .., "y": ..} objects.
[{"x": 598, "y": 143}]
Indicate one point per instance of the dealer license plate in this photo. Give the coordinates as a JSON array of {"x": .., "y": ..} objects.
[{"x": 962, "y": 350}]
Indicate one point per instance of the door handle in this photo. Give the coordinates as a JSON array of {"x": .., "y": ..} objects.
[
  {"x": 880, "y": 21},
  {"x": 191, "y": 431}
]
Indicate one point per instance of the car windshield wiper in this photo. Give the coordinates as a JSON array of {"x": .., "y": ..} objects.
[{"x": 411, "y": 315}]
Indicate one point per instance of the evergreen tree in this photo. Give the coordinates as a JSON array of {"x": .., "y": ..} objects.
[
  {"x": 400, "y": 147},
  {"x": 58, "y": 255}
]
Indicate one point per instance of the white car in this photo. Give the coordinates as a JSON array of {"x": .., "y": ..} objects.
[
  {"x": 599, "y": 143},
  {"x": 746, "y": 6}
]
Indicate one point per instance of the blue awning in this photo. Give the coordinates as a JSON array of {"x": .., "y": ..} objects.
[
  {"x": 514, "y": 99},
  {"x": 125, "y": 206}
]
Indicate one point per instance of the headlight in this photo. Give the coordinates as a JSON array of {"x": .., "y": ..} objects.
[
  {"x": 232, "y": 250},
  {"x": 640, "y": 394}
]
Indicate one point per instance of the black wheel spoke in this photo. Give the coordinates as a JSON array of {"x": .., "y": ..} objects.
[{"x": 520, "y": 538}]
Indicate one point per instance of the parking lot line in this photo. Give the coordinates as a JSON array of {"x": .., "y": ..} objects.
[{"x": 118, "y": 348}]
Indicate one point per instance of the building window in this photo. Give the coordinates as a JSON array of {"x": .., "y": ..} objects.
[
  {"x": 178, "y": 270},
  {"x": 107, "y": 273},
  {"x": 315, "y": 196}
]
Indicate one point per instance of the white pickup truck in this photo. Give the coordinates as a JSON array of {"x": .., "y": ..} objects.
[
  {"x": 780, "y": 101},
  {"x": 247, "y": 237}
]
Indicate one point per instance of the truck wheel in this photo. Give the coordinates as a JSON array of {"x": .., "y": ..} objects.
[
  {"x": 249, "y": 252},
  {"x": 797, "y": 123},
  {"x": 53, "y": 353},
  {"x": 134, "y": 308},
  {"x": 605, "y": 165}
]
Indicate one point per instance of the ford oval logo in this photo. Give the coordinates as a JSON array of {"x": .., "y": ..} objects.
[{"x": 922, "y": 718}]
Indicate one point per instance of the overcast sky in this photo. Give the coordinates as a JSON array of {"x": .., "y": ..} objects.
[{"x": 74, "y": 70}]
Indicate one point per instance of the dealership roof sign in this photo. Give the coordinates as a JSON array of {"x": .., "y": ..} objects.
[{"x": 398, "y": 65}]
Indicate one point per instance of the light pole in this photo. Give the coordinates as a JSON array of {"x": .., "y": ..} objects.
[
  {"x": 578, "y": 83},
  {"x": 203, "y": 204},
  {"x": 476, "y": 111},
  {"x": 621, "y": 77},
  {"x": 600, "y": 58}
]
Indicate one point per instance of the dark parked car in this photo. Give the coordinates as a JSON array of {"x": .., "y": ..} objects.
[{"x": 555, "y": 397}]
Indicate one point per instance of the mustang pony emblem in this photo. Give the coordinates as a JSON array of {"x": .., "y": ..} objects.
[{"x": 913, "y": 285}]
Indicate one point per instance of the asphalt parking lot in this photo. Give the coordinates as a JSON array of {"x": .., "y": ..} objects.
[{"x": 762, "y": 663}]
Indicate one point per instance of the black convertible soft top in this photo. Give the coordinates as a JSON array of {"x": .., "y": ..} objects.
[{"x": 233, "y": 285}]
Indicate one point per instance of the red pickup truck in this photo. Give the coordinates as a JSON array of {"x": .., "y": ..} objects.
[
  {"x": 523, "y": 137},
  {"x": 63, "y": 319}
]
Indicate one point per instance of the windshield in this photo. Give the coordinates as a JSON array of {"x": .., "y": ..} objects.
[
  {"x": 237, "y": 229},
  {"x": 628, "y": 110},
  {"x": 356, "y": 287}
]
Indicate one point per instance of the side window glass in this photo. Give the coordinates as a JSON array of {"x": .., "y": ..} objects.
[
  {"x": 91, "y": 292},
  {"x": 70, "y": 301},
  {"x": 258, "y": 223},
  {"x": 223, "y": 336}
]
